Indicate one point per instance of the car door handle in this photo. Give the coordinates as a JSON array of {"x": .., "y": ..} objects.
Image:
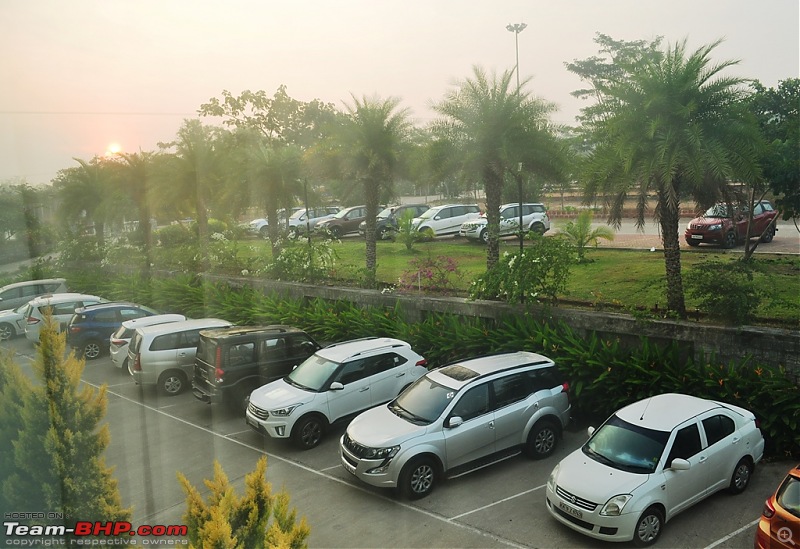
[
  {"x": 181, "y": 354},
  {"x": 702, "y": 459},
  {"x": 364, "y": 389},
  {"x": 735, "y": 440},
  {"x": 400, "y": 374},
  {"x": 491, "y": 424}
]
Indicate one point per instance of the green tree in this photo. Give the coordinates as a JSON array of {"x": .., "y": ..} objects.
[
  {"x": 135, "y": 176},
  {"x": 370, "y": 148},
  {"x": 498, "y": 131},
  {"x": 670, "y": 125},
  {"x": 191, "y": 174},
  {"x": 580, "y": 233},
  {"x": 258, "y": 519},
  {"x": 778, "y": 114},
  {"x": 83, "y": 194},
  {"x": 58, "y": 461}
]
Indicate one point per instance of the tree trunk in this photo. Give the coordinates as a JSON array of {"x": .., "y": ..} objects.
[
  {"x": 493, "y": 185},
  {"x": 669, "y": 222},
  {"x": 372, "y": 199}
]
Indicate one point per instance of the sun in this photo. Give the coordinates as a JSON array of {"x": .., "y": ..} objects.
[{"x": 113, "y": 148}]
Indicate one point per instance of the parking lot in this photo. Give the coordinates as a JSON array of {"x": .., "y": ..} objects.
[{"x": 153, "y": 437}]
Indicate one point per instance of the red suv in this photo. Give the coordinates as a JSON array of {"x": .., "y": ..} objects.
[{"x": 716, "y": 226}]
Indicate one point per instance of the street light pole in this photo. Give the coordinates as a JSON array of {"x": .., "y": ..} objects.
[{"x": 517, "y": 28}]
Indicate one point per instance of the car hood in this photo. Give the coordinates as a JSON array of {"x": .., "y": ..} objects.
[
  {"x": 707, "y": 220},
  {"x": 379, "y": 428},
  {"x": 279, "y": 394},
  {"x": 584, "y": 477}
]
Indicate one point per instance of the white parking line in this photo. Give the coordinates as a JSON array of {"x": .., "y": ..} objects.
[
  {"x": 238, "y": 433},
  {"x": 497, "y": 502},
  {"x": 732, "y": 534},
  {"x": 307, "y": 469}
]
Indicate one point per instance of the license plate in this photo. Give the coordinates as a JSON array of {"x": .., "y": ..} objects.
[
  {"x": 348, "y": 467},
  {"x": 571, "y": 510},
  {"x": 697, "y": 237}
]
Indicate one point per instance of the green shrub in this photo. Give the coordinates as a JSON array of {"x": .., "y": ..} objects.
[
  {"x": 540, "y": 271},
  {"x": 175, "y": 235},
  {"x": 302, "y": 261},
  {"x": 432, "y": 273},
  {"x": 726, "y": 291}
]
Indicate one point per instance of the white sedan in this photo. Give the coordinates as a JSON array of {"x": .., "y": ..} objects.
[{"x": 650, "y": 461}]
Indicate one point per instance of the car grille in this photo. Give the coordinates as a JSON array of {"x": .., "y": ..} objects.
[
  {"x": 354, "y": 447},
  {"x": 257, "y": 412},
  {"x": 575, "y": 500}
]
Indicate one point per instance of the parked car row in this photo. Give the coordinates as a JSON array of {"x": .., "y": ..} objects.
[{"x": 409, "y": 427}]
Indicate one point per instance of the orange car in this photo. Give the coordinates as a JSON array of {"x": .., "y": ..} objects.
[{"x": 780, "y": 521}]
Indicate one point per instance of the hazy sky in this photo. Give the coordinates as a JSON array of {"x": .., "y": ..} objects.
[{"x": 79, "y": 75}]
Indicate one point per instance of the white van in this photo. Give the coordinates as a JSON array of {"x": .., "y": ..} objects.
[{"x": 163, "y": 355}]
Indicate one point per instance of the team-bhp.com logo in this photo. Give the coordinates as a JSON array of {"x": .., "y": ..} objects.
[{"x": 118, "y": 529}]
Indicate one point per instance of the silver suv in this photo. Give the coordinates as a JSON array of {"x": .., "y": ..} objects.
[
  {"x": 534, "y": 218},
  {"x": 458, "y": 418}
]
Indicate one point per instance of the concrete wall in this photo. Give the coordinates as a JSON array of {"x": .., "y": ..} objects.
[{"x": 766, "y": 345}]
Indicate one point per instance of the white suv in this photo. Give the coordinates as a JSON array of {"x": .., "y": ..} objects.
[
  {"x": 457, "y": 419},
  {"x": 444, "y": 220},
  {"x": 333, "y": 385},
  {"x": 534, "y": 218},
  {"x": 61, "y": 306}
]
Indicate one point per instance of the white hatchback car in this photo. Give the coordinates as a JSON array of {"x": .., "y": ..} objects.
[
  {"x": 333, "y": 385},
  {"x": 445, "y": 220},
  {"x": 12, "y": 322},
  {"x": 651, "y": 460},
  {"x": 62, "y": 307},
  {"x": 119, "y": 340}
]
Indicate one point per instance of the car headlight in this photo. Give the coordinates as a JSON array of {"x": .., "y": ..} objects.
[
  {"x": 717, "y": 227},
  {"x": 551, "y": 480},
  {"x": 614, "y": 506},
  {"x": 285, "y": 411},
  {"x": 381, "y": 453}
]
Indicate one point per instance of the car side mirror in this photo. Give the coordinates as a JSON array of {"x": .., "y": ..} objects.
[
  {"x": 437, "y": 218},
  {"x": 590, "y": 431},
  {"x": 679, "y": 464},
  {"x": 336, "y": 386},
  {"x": 454, "y": 422}
]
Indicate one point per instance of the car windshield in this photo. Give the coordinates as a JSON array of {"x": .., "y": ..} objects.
[
  {"x": 385, "y": 213},
  {"x": 627, "y": 447},
  {"x": 297, "y": 215},
  {"x": 314, "y": 374},
  {"x": 718, "y": 210},
  {"x": 788, "y": 496},
  {"x": 341, "y": 214},
  {"x": 423, "y": 402},
  {"x": 428, "y": 214}
]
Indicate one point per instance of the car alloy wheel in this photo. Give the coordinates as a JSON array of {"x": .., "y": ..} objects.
[
  {"x": 730, "y": 240},
  {"x": 6, "y": 331},
  {"x": 542, "y": 440},
  {"x": 418, "y": 477},
  {"x": 172, "y": 383},
  {"x": 307, "y": 433},
  {"x": 91, "y": 350}
]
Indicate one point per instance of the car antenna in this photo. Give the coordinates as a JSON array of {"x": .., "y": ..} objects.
[{"x": 646, "y": 406}]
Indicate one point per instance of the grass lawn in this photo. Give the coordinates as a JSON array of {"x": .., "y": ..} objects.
[{"x": 624, "y": 279}]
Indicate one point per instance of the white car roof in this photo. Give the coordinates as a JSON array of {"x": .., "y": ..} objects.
[
  {"x": 61, "y": 298},
  {"x": 664, "y": 412},
  {"x": 32, "y": 282},
  {"x": 184, "y": 325},
  {"x": 458, "y": 374},
  {"x": 339, "y": 352},
  {"x": 152, "y": 320}
]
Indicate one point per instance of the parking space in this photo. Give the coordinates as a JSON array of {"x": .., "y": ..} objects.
[{"x": 154, "y": 437}]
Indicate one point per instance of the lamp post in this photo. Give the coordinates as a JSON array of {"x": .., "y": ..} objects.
[{"x": 517, "y": 28}]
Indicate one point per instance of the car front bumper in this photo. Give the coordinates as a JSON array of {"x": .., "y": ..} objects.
[{"x": 591, "y": 523}]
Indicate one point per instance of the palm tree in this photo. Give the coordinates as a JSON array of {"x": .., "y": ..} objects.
[
  {"x": 135, "y": 172},
  {"x": 83, "y": 193},
  {"x": 191, "y": 173},
  {"x": 581, "y": 234},
  {"x": 672, "y": 127},
  {"x": 498, "y": 131},
  {"x": 371, "y": 146}
]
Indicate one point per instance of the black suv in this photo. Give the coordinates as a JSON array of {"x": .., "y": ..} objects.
[
  {"x": 90, "y": 328},
  {"x": 387, "y": 221},
  {"x": 232, "y": 362}
]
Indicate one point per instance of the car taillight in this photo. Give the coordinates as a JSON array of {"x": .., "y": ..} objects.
[
  {"x": 32, "y": 320},
  {"x": 74, "y": 329},
  {"x": 118, "y": 342},
  {"x": 769, "y": 509},
  {"x": 565, "y": 389},
  {"x": 219, "y": 373},
  {"x": 422, "y": 362},
  {"x": 137, "y": 363}
]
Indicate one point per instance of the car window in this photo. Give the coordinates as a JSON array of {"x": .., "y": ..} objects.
[
  {"x": 788, "y": 496},
  {"x": 473, "y": 403},
  {"x": 164, "y": 342},
  {"x": 687, "y": 443},
  {"x": 130, "y": 314},
  {"x": 63, "y": 308},
  {"x": 384, "y": 362},
  {"x": 767, "y": 206},
  {"x": 510, "y": 389},
  {"x": 242, "y": 353},
  {"x": 300, "y": 345},
  {"x": 274, "y": 348},
  {"x": 543, "y": 379},
  {"x": 717, "y": 428},
  {"x": 109, "y": 315},
  {"x": 12, "y": 293},
  {"x": 32, "y": 290},
  {"x": 473, "y": 209},
  {"x": 510, "y": 213},
  {"x": 758, "y": 209},
  {"x": 352, "y": 371},
  {"x": 190, "y": 339}
]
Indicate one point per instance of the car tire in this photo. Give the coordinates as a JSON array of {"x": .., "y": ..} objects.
[
  {"x": 92, "y": 349},
  {"x": 768, "y": 235},
  {"x": 730, "y": 240},
  {"x": 692, "y": 243},
  {"x": 538, "y": 228},
  {"x": 6, "y": 331},
  {"x": 335, "y": 232},
  {"x": 484, "y": 236},
  {"x": 740, "y": 479},
  {"x": 308, "y": 431},
  {"x": 263, "y": 232},
  {"x": 542, "y": 440},
  {"x": 427, "y": 234},
  {"x": 648, "y": 527},
  {"x": 418, "y": 478},
  {"x": 172, "y": 382}
]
